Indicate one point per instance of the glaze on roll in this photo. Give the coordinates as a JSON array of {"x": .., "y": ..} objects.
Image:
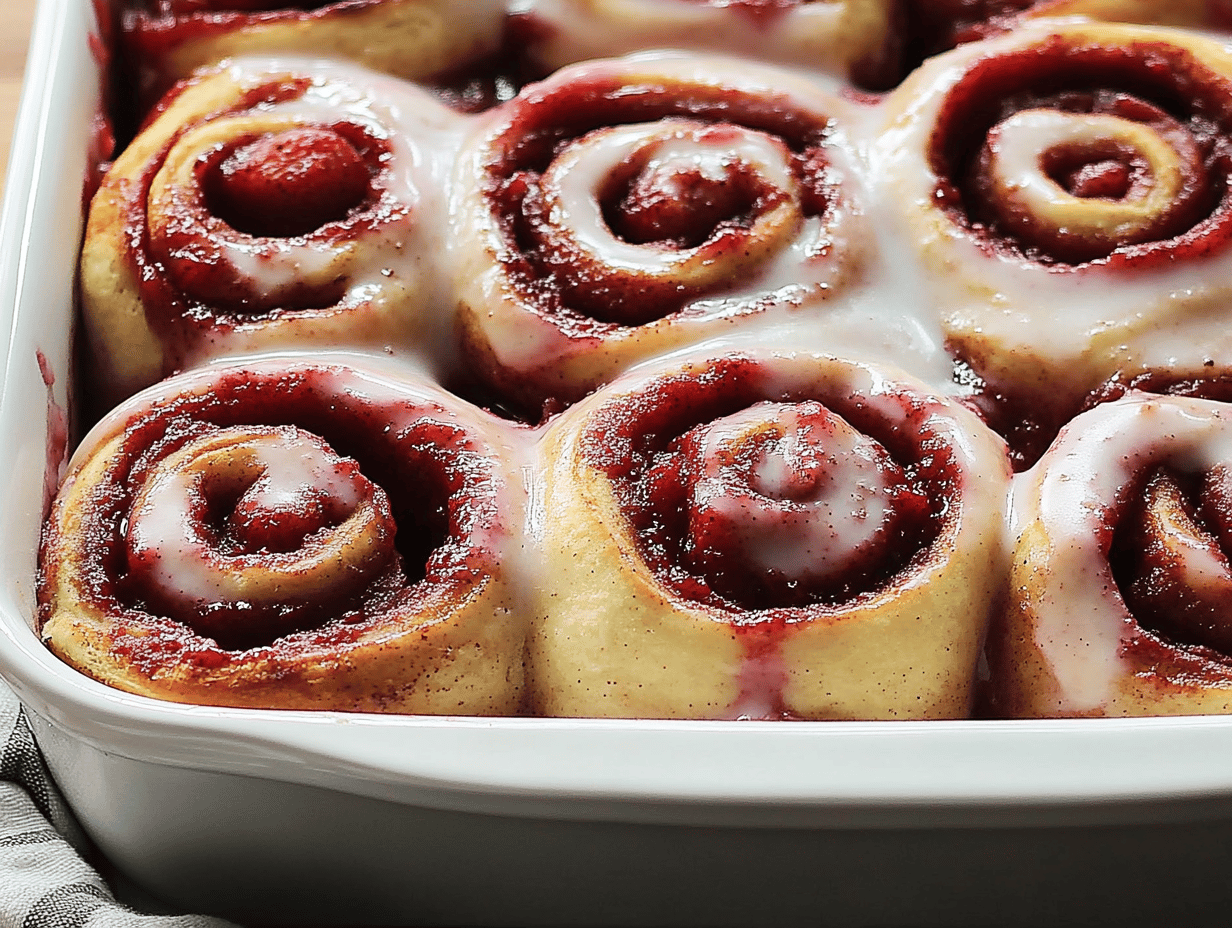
[
  {"x": 1068, "y": 187},
  {"x": 1121, "y": 579},
  {"x": 624, "y": 208},
  {"x": 791, "y": 537},
  {"x": 297, "y": 536}
]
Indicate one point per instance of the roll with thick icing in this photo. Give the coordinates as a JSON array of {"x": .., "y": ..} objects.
[
  {"x": 267, "y": 204},
  {"x": 292, "y": 535},
  {"x": 1121, "y": 581},
  {"x": 621, "y": 209},
  {"x": 784, "y": 537},
  {"x": 1066, "y": 190}
]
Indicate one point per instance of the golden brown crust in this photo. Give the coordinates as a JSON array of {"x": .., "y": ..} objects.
[
  {"x": 857, "y": 38},
  {"x": 413, "y": 39}
]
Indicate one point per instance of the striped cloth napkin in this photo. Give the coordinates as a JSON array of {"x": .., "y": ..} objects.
[{"x": 45, "y": 881}]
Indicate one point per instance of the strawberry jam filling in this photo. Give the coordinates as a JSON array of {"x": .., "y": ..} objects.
[
  {"x": 1170, "y": 557},
  {"x": 288, "y": 183},
  {"x": 1068, "y": 154},
  {"x": 753, "y": 499}
]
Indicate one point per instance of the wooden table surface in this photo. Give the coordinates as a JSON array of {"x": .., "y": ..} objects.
[{"x": 16, "y": 17}]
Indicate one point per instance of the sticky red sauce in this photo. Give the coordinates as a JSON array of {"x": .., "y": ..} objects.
[
  {"x": 287, "y": 184},
  {"x": 1182, "y": 633},
  {"x": 57, "y": 435},
  {"x": 1029, "y": 422},
  {"x": 496, "y": 78}
]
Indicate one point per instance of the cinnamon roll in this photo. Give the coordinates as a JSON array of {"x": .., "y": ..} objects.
[
  {"x": 1069, "y": 202},
  {"x": 169, "y": 39},
  {"x": 942, "y": 24},
  {"x": 857, "y": 39},
  {"x": 291, "y": 535},
  {"x": 791, "y": 537},
  {"x": 1121, "y": 580},
  {"x": 624, "y": 208},
  {"x": 266, "y": 204}
]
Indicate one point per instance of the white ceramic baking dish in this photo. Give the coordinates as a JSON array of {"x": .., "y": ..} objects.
[{"x": 299, "y": 818}]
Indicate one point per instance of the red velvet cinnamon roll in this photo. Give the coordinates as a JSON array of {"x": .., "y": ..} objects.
[
  {"x": 623, "y": 208},
  {"x": 942, "y": 24},
  {"x": 300, "y": 536},
  {"x": 266, "y": 205},
  {"x": 168, "y": 39},
  {"x": 860, "y": 39},
  {"x": 1121, "y": 583},
  {"x": 1070, "y": 202},
  {"x": 792, "y": 537}
]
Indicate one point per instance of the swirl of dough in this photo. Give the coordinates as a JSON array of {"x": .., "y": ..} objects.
[
  {"x": 1077, "y": 187},
  {"x": 290, "y": 535},
  {"x": 414, "y": 39},
  {"x": 788, "y": 537},
  {"x": 1121, "y": 573},
  {"x": 244, "y": 533},
  {"x": 857, "y": 39},
  {"x": 623, "y": 208},
  {"x": 263, "y": 205},
  {"x": 1070, "y": 203},
  {"x": 786, "y": 503},
  {"x": 699, "y": 205}
]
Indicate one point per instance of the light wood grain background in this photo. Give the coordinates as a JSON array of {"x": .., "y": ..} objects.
[{"x": 16, "y": 17}]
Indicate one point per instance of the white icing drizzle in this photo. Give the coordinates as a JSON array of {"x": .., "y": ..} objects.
[
  {"x": 574, "y": 182},
  {"x": 1071, "y": 492}
]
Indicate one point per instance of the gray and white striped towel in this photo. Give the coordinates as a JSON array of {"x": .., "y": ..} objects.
[{"x": 45, "y": 881}]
